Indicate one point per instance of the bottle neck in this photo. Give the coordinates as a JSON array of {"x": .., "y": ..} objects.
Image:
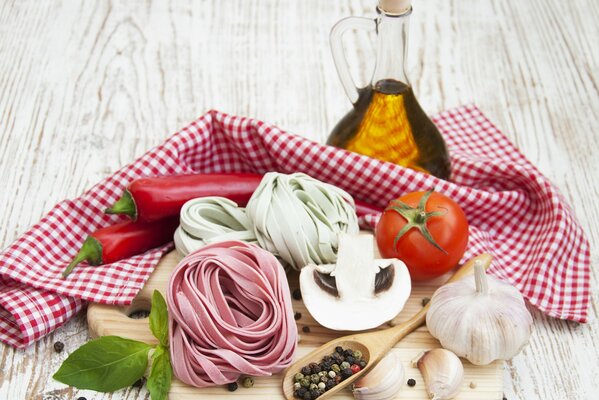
[{"x": 392, "y": 47}]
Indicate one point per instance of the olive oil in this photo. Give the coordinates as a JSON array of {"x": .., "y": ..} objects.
[{"x": 387, "y": 123}]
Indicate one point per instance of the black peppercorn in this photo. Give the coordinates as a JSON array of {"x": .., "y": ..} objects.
[
  {"x": 329, "y": 384},
  {"x": 297, "y": 315},
  {"x": 299, "y": 393},
  {"x": 350, "y": 360},
  {"x": 411, "y": 382},
  {"x": 314, "y": 393},
  {"x": 297, "y": 294},
  {"x": 232, "y": 386},
  {"x": 315, "y": 368},
  {"x": 58, "y": 347},
  {"x": 346, "y": 373},
  {"x": 339, "y": 349},
  {"x": 307, "y": 396},
  {"x": 139, "y": 383},
  {"x": 306, "y": 329},
  {"x": 348, "y": 353},
  {"x": 326, "y": 358},
  {"x": 306, "y": 371},
  {"x": 362, "y": 364}
]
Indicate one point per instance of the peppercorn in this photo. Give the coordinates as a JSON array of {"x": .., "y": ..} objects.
[
  {"x": 58, "y": 347},
  {"x": 335, "y": 368},
  {"x": 425, "y": 301},
  {"x": 337, "y": 379},
  {"x": 314, "y": 394},
  {"x": 314, "y": 378},
  {"x": 298, "y": 377},
  {"x": 297, "y": 315},
  {"x": 306, "y": 370},
  {"x": 297, "y": 294},
  {"x": 346, "y": 373},
  {"x": 300, "y": 392},
  {"x": 326, "y": 366},
  {"x": 326, "y": 358},
  {"x": 355, "y": 368},
  {"x": 362, "y": 364},
  {"x": 332, "y": 374},
  {"x": 411, "y": 382},
  {"x": 307, "y": 396},
  {"x": 339, "y": 349},
  {"x": 348, "y": 352},
  {"x": 296, "y": 386},
  {"x": 139, "y": 383},
  {"x": 324, "y": 378},
  {"x": 330, "y": 383},
  {"x": 345, "y": 365},
  {"x": 305, "y": 382},
  {"x": 232, "y": 386},
  {"x": 306, "y": 329},
  {"x": 350, "y": 359},
  {"x": 315, "y": 368},
  {"x": 313, "y": 386},
  {"x": 357, "y": 354},
  {"x": 248, "y": 382},
  {"x": 322, "y": 386}
]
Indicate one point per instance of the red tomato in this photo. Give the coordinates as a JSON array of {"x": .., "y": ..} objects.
[{"x": 440, "y": 216}]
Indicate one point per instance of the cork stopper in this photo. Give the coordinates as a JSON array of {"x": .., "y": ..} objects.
[{"x": 396, "y": 7}]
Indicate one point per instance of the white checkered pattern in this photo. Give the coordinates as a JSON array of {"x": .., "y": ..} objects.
[{"x": 514, "y": 212}]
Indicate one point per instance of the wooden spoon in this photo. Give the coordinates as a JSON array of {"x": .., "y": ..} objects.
[{"x": 373, "y": 345}]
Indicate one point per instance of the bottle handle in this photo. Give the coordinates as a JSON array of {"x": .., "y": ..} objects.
[{"x": 339, "y": 58}]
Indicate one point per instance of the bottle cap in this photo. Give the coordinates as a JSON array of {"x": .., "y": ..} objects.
[{"x": 396, "y": 7}]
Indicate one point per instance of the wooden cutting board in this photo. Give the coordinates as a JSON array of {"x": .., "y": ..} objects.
[{"x": 480, "y": 382}]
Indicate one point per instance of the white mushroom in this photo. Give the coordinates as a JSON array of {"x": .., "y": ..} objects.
[{"x": 359, "y": 292}]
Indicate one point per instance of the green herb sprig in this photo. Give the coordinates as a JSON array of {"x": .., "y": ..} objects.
[{"x": 111, "y": 363}]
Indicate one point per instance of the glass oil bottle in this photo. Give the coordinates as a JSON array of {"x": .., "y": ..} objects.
[{"x": 386, "y": 121}]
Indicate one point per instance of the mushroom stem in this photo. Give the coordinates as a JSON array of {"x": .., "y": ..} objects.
[{"x": 480, "y": 278}]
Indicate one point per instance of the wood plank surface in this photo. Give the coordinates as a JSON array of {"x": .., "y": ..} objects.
[{"x": 86, "y": 87}]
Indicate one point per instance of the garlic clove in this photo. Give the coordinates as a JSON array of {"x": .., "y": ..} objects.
[
  {"x": 443, "y": 373},
  {"x": 383, "y": 381}
]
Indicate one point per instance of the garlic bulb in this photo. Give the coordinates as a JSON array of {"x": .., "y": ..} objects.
[
  {"x": 383, "y": 381},
  {"x": 480, "y": 318},
  {"x": 443, "y": 373}
]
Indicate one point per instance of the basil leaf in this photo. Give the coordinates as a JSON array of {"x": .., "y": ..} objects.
[
  {"x": 161, "y": 374},
  {"x": 105, "y": 364},
  {"x": 159, "y": 318}
]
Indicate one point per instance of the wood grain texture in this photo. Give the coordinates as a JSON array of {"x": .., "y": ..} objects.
[{"x": 86, "y": 87}]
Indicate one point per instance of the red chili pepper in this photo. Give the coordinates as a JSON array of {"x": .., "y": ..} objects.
[
  {"x": 116, "y": 242},
  {"x": 151, "y": 199}
]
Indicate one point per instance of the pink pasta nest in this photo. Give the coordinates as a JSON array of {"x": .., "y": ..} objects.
[{"x": 230, "y": 314}]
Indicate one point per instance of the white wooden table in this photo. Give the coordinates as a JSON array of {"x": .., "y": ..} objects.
[{"x": 86, "y": 87}]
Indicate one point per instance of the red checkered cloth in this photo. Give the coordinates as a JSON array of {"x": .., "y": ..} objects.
[{"x": 515, "y": 213}]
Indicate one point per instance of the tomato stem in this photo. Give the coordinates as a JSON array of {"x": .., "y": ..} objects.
[{"x": 416, "y": 217}]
